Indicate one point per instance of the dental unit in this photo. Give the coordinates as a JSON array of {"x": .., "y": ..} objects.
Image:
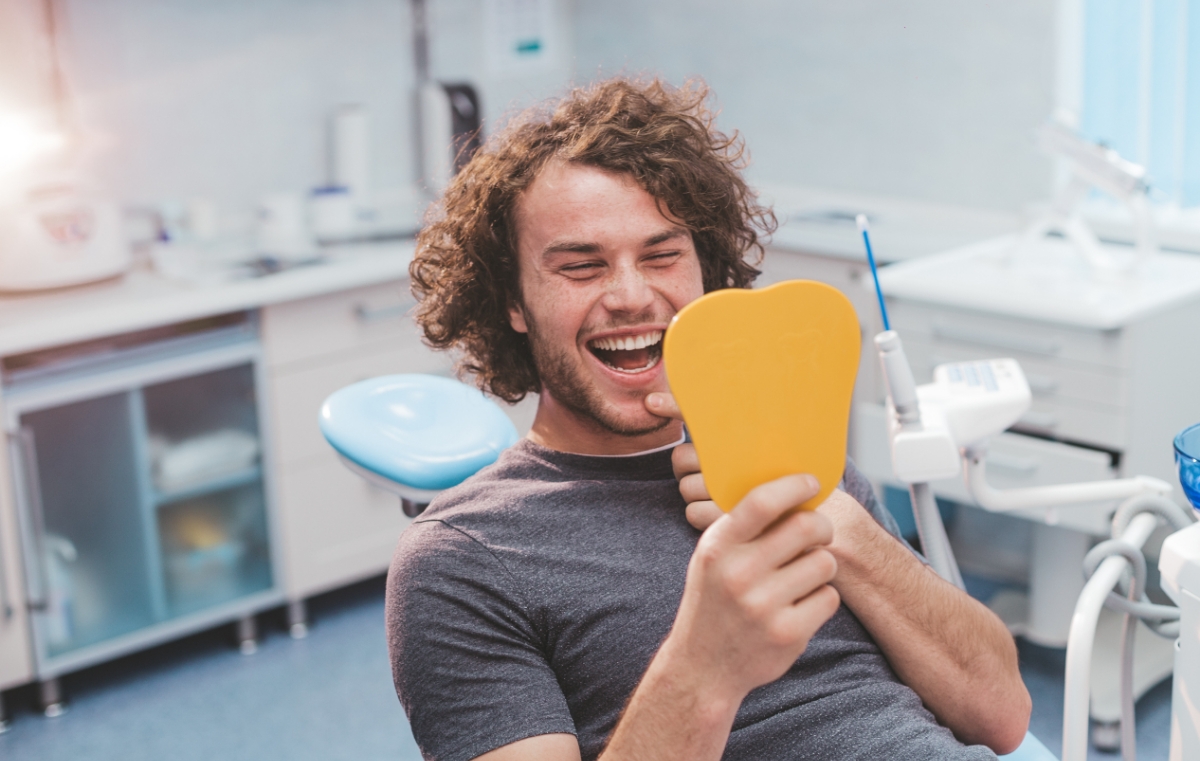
[{"x": 941, "y": 430}]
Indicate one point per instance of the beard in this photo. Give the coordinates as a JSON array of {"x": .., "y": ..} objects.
[{"x": 565, "y": 380}]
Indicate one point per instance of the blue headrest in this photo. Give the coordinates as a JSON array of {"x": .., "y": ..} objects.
[{"x": 422, "y": 431}]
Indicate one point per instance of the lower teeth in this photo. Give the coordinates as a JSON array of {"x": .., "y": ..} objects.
[{"x": 653, "y": 361}]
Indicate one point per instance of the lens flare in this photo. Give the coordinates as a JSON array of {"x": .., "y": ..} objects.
[{"x": 22, "y": 141}]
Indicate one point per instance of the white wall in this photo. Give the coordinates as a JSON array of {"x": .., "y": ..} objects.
[
  {"x": 934, "y": 99},
  {"x": 227, "y": 99}
]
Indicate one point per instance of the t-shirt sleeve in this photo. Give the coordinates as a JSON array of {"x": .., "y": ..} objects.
[
  {"x": 858, "y": 486},
  {"x": 465, "y": 655}
]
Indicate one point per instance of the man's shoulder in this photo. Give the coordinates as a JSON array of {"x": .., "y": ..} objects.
[
  {"x": 490, "y": 505},
  {"x": 517, "y": 473}
]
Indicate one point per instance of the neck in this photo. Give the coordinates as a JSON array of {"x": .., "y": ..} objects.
[{"x": 565, "y": 430}]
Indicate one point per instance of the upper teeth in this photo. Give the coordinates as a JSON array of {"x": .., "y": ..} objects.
[{"x": 628, "y": 343}]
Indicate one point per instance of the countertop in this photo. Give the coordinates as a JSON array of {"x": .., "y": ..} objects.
[
  {"x": 819, "y": 221},
  {"x": 142, "y": 298},
  {"x": 812, "y": 220}
]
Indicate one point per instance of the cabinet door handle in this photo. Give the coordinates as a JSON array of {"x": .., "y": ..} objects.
[
  {"x": 1042, "y": 385},
  {"x": 1026, "y": 466},
  {"x": 995, "y": 340},
  {"x": 1039, "y": 420},
  {"x": 6, "y": 608},
  {"x": 366, "y": 314},
  {"x": 31, "y": 495}
]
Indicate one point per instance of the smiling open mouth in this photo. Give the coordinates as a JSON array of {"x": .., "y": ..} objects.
[{"x": 629, "y": 354}]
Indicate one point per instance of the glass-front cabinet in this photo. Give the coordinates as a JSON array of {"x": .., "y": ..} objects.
[{"x": 142, "y": 496}]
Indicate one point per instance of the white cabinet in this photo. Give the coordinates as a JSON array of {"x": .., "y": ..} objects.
[
  {"x": 336, "y": 529},
  {"x": 16, "y": 655}
]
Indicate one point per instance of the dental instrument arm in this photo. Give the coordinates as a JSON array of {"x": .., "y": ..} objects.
[{"x": 1007, "y": 500}]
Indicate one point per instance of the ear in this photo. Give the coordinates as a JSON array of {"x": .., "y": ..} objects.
[{"x": 516, "y": 318}]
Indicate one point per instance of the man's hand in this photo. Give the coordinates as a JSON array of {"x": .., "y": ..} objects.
[
  {"x": 757, "y": 590},
  {"x": 702, "y": 512}
]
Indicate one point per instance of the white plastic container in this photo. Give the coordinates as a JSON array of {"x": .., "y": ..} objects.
[{"x": 61, "y": 233}]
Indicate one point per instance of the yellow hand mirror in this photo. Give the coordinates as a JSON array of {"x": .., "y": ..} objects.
[{"x": 764, "y": 379}]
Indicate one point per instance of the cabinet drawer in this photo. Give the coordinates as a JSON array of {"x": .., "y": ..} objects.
[
  {"x": 1008, "y": 336},
  {"x": 336, "y": 527},
  {"x": 1049, "y": 379},
  {"x": 1089, "y": 425},
  {"x": 296, "y": 396},
  {"x": 337, "y": 323}
]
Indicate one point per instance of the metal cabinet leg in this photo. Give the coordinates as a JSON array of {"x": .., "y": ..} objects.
[
  {"x": 4, "y": 721},
  {"x": 1106, "y": 735},
  {"x": 50, "y": 696},
  {"x": 297, "y": 618},
  {"x": 247, "y": 635}
]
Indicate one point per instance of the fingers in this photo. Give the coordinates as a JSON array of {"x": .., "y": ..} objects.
[
  {"x": 663, "y": 404},
  {"x": 703, "y": 514},
  {"x": 684, "y": 460},
  {"x": 800, "y": 578},
  {"x": 792, "y": 536},
  {"x": 765, "y": 504},
  {"x": 692, "y": 488},
  {"x": 809, "y": 614}
]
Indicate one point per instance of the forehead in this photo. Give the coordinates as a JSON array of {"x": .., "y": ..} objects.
[{"x": 585, "y": 204}]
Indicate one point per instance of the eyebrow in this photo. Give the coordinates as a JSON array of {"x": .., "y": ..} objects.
[{"x": 579, "y": 247}]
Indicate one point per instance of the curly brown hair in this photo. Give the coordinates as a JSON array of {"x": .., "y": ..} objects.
[{"x": 464, "y": 273}]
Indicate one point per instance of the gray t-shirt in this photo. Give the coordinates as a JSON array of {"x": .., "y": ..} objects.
[{"x": 531, "y": 598}]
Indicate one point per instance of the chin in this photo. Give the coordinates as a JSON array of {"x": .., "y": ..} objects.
[{"x": 633, "y": 423}]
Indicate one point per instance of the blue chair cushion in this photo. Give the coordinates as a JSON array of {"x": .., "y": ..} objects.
[
  {"x": 1031, "y": 749},
  {"x": 421, "y": 431}
]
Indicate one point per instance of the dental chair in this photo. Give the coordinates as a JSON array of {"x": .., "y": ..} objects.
[{"x": 415, "y": 435}]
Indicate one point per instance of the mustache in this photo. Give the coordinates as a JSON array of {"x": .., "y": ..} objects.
[{"x": 633, "y": 321}]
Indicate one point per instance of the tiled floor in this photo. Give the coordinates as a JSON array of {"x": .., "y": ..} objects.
[{"x": 328, "y": 697}]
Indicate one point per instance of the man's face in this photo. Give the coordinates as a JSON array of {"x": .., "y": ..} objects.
[{"x": 601, "y": 272}]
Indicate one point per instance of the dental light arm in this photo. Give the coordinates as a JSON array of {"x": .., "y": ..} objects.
[{"x": 1092, "y": 166}]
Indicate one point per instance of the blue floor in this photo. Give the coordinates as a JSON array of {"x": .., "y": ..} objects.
[{"x": 330, "y": 697}]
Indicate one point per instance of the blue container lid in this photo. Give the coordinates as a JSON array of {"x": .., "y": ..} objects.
[
  {"x": 423, "y": 431},
  {"x": 1187, "y": 459}
]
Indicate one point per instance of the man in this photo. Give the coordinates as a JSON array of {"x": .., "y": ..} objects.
[{"x": 559, "y": 605}]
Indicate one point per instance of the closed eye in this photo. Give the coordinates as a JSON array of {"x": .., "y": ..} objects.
[
  {"x": 662, "y": 259},
  {"x": 581, "y": 270}
]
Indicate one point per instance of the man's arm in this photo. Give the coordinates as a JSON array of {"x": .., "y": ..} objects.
[
  {"x": 756, "y": 592},
  {"x": 949, "y": 648}
]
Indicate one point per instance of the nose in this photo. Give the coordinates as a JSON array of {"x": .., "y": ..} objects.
[{"x": 628, "y": 291}]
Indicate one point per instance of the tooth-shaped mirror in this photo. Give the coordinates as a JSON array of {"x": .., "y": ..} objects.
[{"x": 764, "y": 379}]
